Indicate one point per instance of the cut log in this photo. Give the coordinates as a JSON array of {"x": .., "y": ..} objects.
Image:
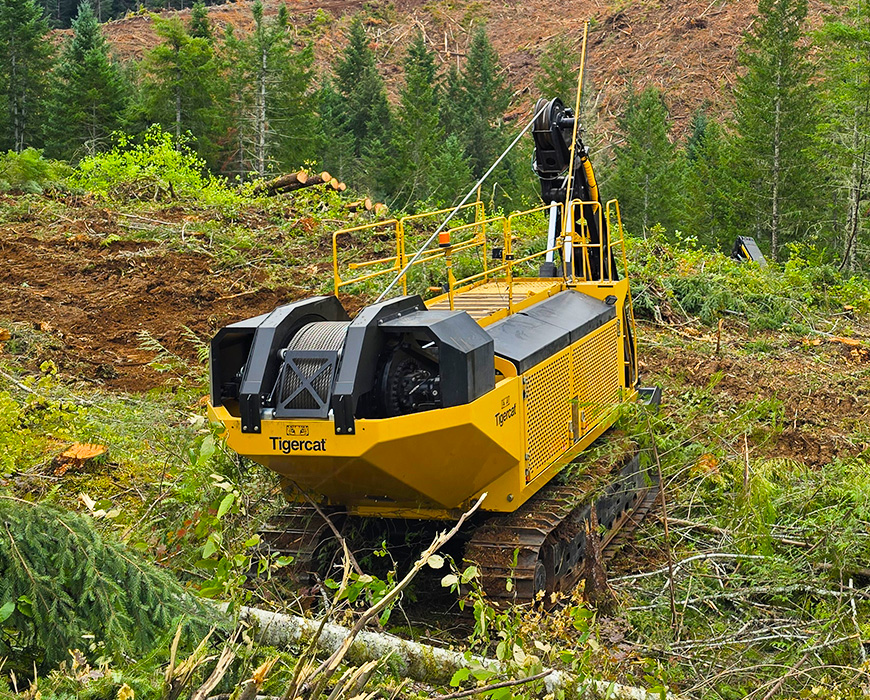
[
  {"x": 296, "y": 181},
  {"x": 421, "y": 662},
  {"x": 381, "y": 208},
  {"x": 282, "y": 183},
  {"x": 359, "y": 205}
]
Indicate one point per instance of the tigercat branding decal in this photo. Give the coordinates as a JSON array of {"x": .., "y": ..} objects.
[
  {"x": 503, "y": 416},
  {"x": 288, "y": 446},
  {"x": 297, "y": 430}
]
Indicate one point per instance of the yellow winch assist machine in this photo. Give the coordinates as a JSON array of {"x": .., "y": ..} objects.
[{"x": 416, "y": 406}]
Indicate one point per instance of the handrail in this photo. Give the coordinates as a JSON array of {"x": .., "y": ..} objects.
[
  {"x": 607, "y": 217},
  {"x": 399, "y": 233}
]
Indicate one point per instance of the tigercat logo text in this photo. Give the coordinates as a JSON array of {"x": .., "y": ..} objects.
[
  {"x": 502, "y": 416},
  {"x": 288, "y": 446}
]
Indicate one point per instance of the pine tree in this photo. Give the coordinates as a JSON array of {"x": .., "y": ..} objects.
[
  {"x": 846, "y": 132},
  {"x": 89, "y": 93},
  {"x": 484, "y": 100},
  {"x": 361, "y": 86},
  {"x": 199, "y": 25},
  {"x": 451, "y": 173},
  {"x": 559, "y": 63},
  {"x": 272, "y": 108},
  {"x": 65, "y": 580},
  {"x": 25, "y": 57},
  {"x": 450, "y": 108},
  {"x": 647, "y": 175},
  {"x": 336, "y": 142},
  {"x": 776, "y": 118},
  {"x": 710, "y": 186},
  {"x": 182, "y": 85},
  {"x": 419, "y": 136}
]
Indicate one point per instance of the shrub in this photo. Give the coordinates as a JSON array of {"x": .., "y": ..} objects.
[
  {"x": 28, "y": 171},
  {"x": 154, "y": 168}
]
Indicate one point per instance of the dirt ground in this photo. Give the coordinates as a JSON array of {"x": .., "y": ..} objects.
[{"x": 96, "y": 298}]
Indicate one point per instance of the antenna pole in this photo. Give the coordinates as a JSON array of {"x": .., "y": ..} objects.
[{"x": 570, "y": 180}]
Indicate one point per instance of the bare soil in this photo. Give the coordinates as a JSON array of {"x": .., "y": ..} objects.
[{"x": 96, "y": 298}]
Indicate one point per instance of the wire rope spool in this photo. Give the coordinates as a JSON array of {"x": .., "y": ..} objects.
[{"x": 310, "y": 363}]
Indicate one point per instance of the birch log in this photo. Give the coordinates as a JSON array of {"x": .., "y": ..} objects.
[{"x": 421, "y": 662}]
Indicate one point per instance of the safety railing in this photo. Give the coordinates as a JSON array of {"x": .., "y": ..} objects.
[
  {"x": 596, "y": 259},
  {"x": 390, "y": 264}
]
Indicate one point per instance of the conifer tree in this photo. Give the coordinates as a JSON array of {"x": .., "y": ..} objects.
[
  {"x": 65, "y": 580},
  {"x": 559, "y": 63},
  {"x": 419, "y": 136},
  {"x": 270, "y": 92},
  {"x": 776, "y": 119},
  {"x": 336, "y": 143},
  {"x": 846, "y": 131},
  {"x": 199, "y": 25},
  {"x": 647, "y": 175},
  {"x": 484, "y": 100},
  {"x": 182, "y": 85},
  {"x": 89, "y": 93},
  {"x": 710, "y": 186},
  {"x": 25, "y": 57},
  {"x": 450, "y": 108},
  {"x": 450, "y": 173},
  {"x": 361, "y": 86}
]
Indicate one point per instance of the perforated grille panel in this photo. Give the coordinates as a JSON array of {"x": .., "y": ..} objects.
[
  {"x": 548, "y": 411},
  {"x": 581, "y": 382},
  {"x": 595, "y": 371}
]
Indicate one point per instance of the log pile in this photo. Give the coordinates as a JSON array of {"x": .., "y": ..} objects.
[{"x": 291, "y": 182}]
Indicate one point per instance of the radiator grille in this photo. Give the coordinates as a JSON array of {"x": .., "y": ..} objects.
[
  {"x": 582, "y": 383},
  {"x": 595, "y": 371},
  {"x": 548, "y": 411}
]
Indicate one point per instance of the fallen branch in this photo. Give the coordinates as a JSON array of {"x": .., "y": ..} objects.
[
  {"x": 493, "y": 686},
  {"x": 420, "y": 662},
  {"x": 328, "y": 667}
]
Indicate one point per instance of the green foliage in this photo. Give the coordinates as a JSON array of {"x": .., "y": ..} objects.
[
  {"x": 89, "y": 93},
  {"x": 155, "y": 167},
  {"x": 419, "y": 136},
  {"x": 690, "y": 281},
  {"x": 199, "y": 26},
  {"x": 483, "y": 100},
  {"x": 26, "y": 426},
  {"x": 711, "y": 186},
  {"x": 559, "y": 63},
  {"x": 182, "y": 86},
  {"x": 66, "y": 579},
  {"x": 359, "y": 104},
  {"x": 270, "y": 100},
  {"x": 28, "y": 171},
  {"x": 776, "y": 116},
  {"x": 25, "y": 57},
  {"x": 846, "y": 120},
  {"x": 647, "y": 176}
]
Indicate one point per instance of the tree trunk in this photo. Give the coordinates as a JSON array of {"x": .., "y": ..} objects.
[
  {"x": 777, "y": 138},
  {"x": 856, "y": 189},
  {"x": 421, "y": 662},
  {"x": 261, "y": 115}
]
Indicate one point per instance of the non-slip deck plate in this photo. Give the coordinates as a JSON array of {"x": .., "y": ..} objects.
[{"x": 491, "y": 298}]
